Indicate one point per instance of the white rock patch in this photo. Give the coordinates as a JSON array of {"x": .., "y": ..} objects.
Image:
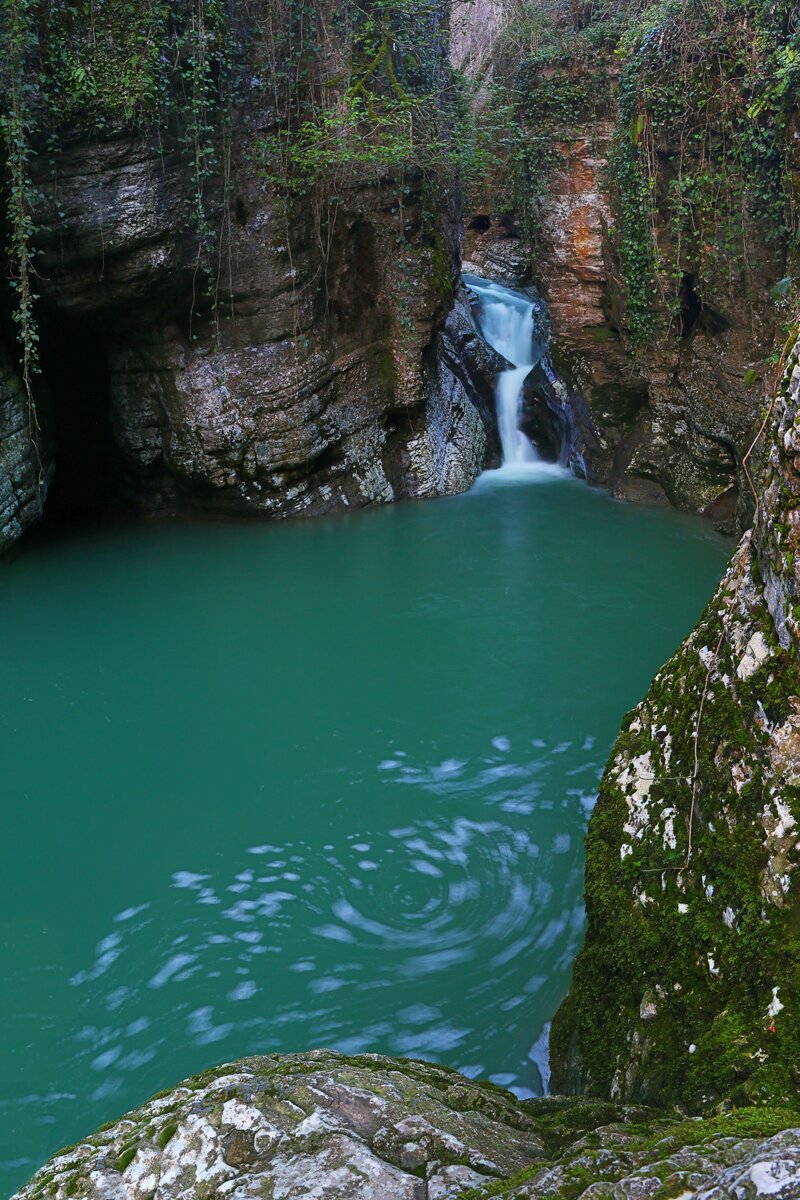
[
  {"x": 771, "y": 1178},
  {"x": 775, "y": 1005},
  {"x": 756, "y": 652}
]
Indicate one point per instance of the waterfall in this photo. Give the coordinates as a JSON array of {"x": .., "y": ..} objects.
[{"x": 507, "y": 320}]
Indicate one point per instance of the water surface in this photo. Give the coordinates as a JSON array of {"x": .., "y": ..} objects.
[{"x": 275, "y": 787}]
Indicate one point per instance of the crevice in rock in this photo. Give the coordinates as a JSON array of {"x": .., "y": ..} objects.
[
  {"x": 401, "y": 426},
  {"x": 545, "y": 417},
  {"x": 694, "y": 316}
]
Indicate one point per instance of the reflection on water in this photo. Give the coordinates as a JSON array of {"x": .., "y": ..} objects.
[{"x": 319, "y": 785}]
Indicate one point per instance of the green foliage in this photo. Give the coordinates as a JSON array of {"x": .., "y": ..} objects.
[
  {"x": 342, "y": 137},
  {"x": 382, "y": 106},
  {"x": 109, "y": 65},
  {"x": 701, "y": 169},
  {"x": 549, "y": 84},
  {"x": 355, "y": 89},
  {"x": 376, "y": 105},
  {"x": 202, "y": 46},
  {"x": 103, "y": 64},
  {"x": 93, "y": 68},
  {"x": 702, "y": 150},
  {"x": 16, "y": 128}
]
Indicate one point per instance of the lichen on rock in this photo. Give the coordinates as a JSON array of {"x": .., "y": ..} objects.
[
  {"x": 687, "y": 989},
  {"x": 322, "y": 1126}
]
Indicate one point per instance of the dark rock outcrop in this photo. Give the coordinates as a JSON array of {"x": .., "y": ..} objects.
[
  {"x": 24, "y": 462},
  {"x": 468, "y": 367}
]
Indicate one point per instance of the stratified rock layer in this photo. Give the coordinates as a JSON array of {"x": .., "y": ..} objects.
[
  {"x": 325, "y": 1127},
  {"x": 688, "y": 988},
  {"x": 318, "y": 377},
  {"x": 24, "y": 462},
  {"x": 282, "y": 401}
]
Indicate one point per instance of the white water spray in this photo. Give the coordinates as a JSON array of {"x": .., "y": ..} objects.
[{"x": 507, "y": 322}]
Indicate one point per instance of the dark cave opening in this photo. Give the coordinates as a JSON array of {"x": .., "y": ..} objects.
[
  {"x": 690, "y": 306},
  {"x": 88, "y": 477},
  {"x": 694, "y": 316}
]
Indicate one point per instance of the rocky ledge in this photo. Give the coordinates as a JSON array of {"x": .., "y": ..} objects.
[{"x": 322, "y": 1125}]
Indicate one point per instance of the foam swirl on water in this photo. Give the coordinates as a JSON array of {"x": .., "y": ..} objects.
[{"x": 338, "y": 936}]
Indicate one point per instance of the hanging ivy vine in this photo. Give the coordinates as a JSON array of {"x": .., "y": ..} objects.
[
  {"x": 90, "y": 68},
  {"x": 17, "y": 126},
  {"x": 702, "y": 151}
]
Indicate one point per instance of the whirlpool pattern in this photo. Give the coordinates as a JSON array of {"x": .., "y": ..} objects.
[{"x": 328, "y": 943}]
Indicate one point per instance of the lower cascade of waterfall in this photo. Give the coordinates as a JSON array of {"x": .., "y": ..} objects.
[{"x": 508, "y": 321}]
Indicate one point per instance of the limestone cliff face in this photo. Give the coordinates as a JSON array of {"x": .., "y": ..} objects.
[
  {"x": 316, "y": 381},
  {"x": 687, "y": 988},
  {"x": 371, "y": 1128},
  {"x": 475, "y": 25},
  {"x": 291, "y": 399}
]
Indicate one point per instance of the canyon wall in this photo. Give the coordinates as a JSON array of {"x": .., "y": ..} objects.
[
  {"x": 312, "y": 374},
  {"x": 687, "y": 989},
  {"x": 657, "y": 238}
]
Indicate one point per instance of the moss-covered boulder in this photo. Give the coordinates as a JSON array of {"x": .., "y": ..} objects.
[
  {"x": 328, "y": 1127},
  {"x": 688, "y": 988}
]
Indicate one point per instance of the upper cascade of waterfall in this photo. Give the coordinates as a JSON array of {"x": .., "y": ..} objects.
[{"x": 509, "y": 322}]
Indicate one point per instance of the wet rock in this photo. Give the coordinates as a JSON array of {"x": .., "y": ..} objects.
[
  {"x": 500, "y": 255},
  {"x": 556, "y": 419},
  {"x": 25, "y": 465},
  {"x": 472, "y": 365}
]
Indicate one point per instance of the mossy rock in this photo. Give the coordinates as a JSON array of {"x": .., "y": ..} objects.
[{"x": 377, "y": 1128}]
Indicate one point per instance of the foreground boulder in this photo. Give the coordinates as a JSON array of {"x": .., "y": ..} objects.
[{"x": 325, "y": 1126}]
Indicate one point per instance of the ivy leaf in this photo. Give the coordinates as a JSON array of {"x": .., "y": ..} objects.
[
  {"x": 781, "y": 288},
  {"x": 637, "y": 129}
]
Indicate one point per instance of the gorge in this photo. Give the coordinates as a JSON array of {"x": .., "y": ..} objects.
[{"x": 296, "y": 795}]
